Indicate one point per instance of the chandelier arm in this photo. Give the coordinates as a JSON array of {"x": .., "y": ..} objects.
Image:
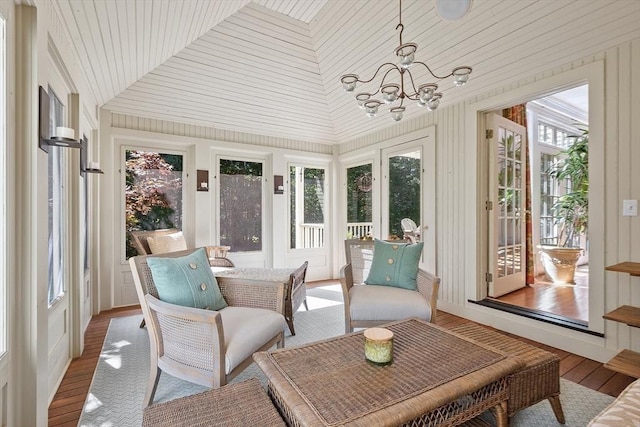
[
  {"x": 431, "y": 72},
  {"x": 413, "y": 96},
  {"x": 394, "y": 66}
]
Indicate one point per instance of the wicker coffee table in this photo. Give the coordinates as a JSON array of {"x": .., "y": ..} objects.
[{"x": 436, "y": 378}]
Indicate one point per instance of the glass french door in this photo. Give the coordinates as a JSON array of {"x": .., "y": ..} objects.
[
  {"x": 507, "y": 229},
  {"x": 401, "y": 189},
  {"x": 241, "y": 204},
  {"x": 307, "y": 201}
]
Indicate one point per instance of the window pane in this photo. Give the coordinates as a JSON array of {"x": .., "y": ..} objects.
[
  {"x": 359, "y": 201},
  {"x": 307, "y": 195},
  {"x": 404, "y": 191},
  {"x": 3, "y": 194},
  {"x": 57, "y": 214},
  {"x": 153, "y": 192},
  {"x": 241, "y": 205}
]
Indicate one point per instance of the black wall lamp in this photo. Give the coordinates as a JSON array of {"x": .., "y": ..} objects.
[{"x": 64, "y": 137}]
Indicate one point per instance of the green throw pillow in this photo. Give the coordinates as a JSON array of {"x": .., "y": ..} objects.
[
  {"x": 187, "y": 281},
  {"x": 395, "y": 264}
]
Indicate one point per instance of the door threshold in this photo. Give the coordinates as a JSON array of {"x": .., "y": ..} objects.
[{"x": 542, "y": 316}]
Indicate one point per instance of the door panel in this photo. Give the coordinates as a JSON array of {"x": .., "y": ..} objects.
[{"x": 506, "y": 223}]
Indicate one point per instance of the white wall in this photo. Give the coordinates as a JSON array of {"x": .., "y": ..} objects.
[{"x": 36, "y": 29}]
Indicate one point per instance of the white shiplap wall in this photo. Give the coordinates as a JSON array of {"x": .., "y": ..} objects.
[
  {"x": 181, "y": 129},
  {"x": 456, "y": 182}
]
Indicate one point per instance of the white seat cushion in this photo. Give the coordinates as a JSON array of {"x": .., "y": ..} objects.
[
  {"x": 246, "y": 330},
  {"x": 374, "y": 302}
]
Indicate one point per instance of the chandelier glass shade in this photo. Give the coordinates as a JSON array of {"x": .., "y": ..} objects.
[{"x": 395, "y": 93}]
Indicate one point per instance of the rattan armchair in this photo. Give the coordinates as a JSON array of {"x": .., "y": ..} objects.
[
  {"x": 202, "y": 346},
  {"x": 366, "y": 306},
  {"x": 217, "y": 254}
]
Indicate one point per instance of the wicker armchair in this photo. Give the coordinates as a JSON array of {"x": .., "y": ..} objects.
[
  {"x": 202, "y": 346},
  {"x": 217, "y": 254},
  {"x": 139, "y": 238},
  {"x": 372, "y": 305},
  {"x": 295, "y": 294}
]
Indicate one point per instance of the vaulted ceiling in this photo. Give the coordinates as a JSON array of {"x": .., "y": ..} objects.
[{"x": 272, "y": 67}]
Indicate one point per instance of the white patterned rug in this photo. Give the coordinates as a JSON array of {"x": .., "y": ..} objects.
[{"x": 118, "y": 386}]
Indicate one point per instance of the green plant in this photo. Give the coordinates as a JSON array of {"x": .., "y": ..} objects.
[{"x": 571, "y": 210}]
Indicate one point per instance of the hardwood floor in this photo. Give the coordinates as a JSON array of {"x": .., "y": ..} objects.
[
  {"x": 67, "y": 404},
  {"x": 570, "y": 301}
]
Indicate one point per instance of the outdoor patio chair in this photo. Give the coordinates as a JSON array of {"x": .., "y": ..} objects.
[
  {"x": 368, "y": 305},
  {"x": 204, "y": 346}
]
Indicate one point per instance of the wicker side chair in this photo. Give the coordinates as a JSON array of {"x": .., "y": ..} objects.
[
  {"x": 364, "y": 303},
  {"x": 202, "y": 346},
  {"x": 295, "y": 294}
]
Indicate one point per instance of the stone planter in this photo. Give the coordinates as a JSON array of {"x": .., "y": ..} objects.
[{"x": 560, "y": 263}]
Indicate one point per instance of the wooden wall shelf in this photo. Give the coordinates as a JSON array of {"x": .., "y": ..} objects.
[
  {"x": 627, "y": 361},
  {"x": 633, "y": 268},
  {"x": 625, "y": 314}
]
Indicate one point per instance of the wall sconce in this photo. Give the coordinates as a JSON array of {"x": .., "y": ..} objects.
[
  {"x": 64, "y": 137},
  {"x": 87, "y": 167},
  {"x": 202, "y": 178},
  {"x": 278, "y": 184}
]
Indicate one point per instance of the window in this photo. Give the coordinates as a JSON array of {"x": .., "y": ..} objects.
[
  {"x": 404, "y": 198},
  {"x": 241, "y": 205},
  {"x": 57, "y": 212},
  {"x": 3, "y": 192},
  {"x": 359, "y": 201},
  {"x": 551, "y": 135},
  {"x": 307, "y": 201},
  {"x": 548, "y": 194},
  {"x": 153, "y": 192}
]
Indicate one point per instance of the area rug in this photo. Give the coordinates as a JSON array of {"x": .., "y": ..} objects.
[{"x": 118, "y": 387}]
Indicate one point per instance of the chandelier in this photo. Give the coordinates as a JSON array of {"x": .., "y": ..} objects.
[{"x": 426, "y": 95}]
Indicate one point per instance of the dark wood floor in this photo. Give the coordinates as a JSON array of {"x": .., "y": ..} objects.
[{"x": 68, "y": 402}]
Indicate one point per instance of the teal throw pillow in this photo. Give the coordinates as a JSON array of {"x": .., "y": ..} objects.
[
  {"x": 187, "y": 281},
  {"x": 395, "y": 264}
]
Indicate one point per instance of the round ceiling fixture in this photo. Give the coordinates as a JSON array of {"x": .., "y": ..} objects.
[{"x": 451, "y": 10}]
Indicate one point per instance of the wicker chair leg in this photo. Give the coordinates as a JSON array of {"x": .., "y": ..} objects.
[
  {"x": 306, "y": 307},
  {"x": 152, "y": 386},
  {"x": 142, "y": 323},
  {"x": 280, "y": 343},
  {"x": 557, "y": 408},
  {"x": 290, "y": 323}
]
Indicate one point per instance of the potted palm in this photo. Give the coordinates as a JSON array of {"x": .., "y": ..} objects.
[{"x": 570, "y": 210}]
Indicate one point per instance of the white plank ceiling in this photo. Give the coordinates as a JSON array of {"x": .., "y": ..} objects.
[{"x": 272, "y": 67}]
